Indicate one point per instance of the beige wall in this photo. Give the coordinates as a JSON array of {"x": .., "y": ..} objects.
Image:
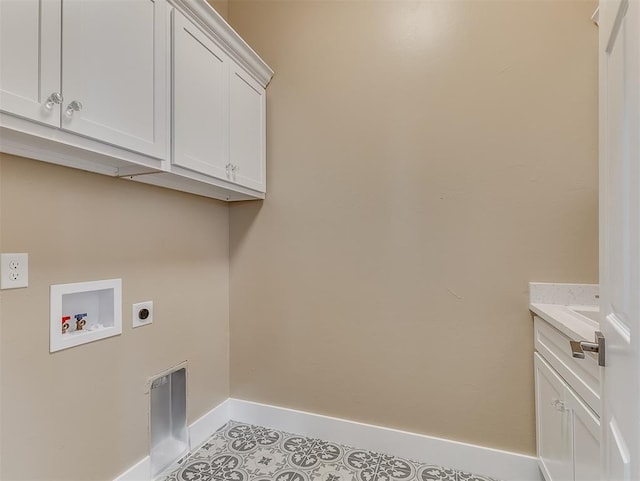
[
  {"x": 221, "y": 6},
  {"x": 425, "y": 161},
  {"x": 82, "y": 414}
]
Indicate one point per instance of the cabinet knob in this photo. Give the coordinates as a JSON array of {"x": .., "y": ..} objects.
[
  {"x": 74, "y": 106},
  {"x": 54, "y": 98},
  {"x": 559, "y": 405},
  {"x": 231, "y": 170}
]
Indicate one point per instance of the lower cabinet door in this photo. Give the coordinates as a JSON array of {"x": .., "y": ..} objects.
[
  {"x": 553, "y": 424},
  {"x": 586, "y": 439}
]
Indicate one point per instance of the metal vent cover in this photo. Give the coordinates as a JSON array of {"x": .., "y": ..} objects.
[{"x": 169, "y": 437}]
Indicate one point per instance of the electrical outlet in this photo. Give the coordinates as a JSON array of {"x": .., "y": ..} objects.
[
  {"x": 142, "y": 313},
  {"x": 14, "y": 270}
]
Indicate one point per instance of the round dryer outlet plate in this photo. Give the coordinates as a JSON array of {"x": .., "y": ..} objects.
[{"x": 142, "y": 313}]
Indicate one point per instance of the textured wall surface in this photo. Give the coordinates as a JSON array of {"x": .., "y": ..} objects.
[
  {"x": 425, "y": 161},
  {"x": 83, "y": 413}
]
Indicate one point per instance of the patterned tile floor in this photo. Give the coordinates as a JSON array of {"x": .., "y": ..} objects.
[{"x": 244, "y": 452}]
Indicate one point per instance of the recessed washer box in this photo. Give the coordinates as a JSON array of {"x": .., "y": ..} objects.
[{"x": 84, "y": 312}]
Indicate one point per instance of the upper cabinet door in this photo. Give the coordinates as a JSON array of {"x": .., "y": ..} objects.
[
  {"x": 30, "y": 59},
  {"x": 247, "y": 151},
  {"x": 200, "y": 101},
  {"x": 114, "y": 72}
]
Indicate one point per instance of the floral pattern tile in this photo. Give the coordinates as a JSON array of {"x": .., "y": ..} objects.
[
  {"x": 307, "y": 453},
  {"x": 265, "y": 462},
  {"x": 380, "y": 467},
  {"x": 244, "y": 452}
]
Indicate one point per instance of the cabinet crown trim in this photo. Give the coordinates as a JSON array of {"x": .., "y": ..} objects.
[{"x": 204, "y": 15}]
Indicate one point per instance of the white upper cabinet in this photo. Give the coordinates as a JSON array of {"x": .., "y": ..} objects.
[
  {"x": 247, "y": 149},
  {"x": 114, "y": 69},
  {"x": 218, "y": 111},
  {"x": 200, "y": 101},
  {"x": 95, "y": 68},
  {"x": 157, "y": 91},
  {"x": 30, "y": 59}
]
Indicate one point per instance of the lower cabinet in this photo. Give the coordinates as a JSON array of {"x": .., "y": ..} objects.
[
  {"x": 586, "y": 440},
  {"x": 568, "y": 431}
]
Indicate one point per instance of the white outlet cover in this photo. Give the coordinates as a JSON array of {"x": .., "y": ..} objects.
[
  {"x": 14, "y": 270},
  {"x": 137, "y": 307}
]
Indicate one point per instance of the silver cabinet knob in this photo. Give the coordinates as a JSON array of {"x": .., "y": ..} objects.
[
  {"x": 54, "y": 98},
  {"x": 234, "y": 168},
  {"x": 74, "y": 106},
  {"x": 228, "y": 167}
]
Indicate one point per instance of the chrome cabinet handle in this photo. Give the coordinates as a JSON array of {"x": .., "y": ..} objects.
[
  {"x": 74, "y": 106},
  {"x": 54, "y": 98},
  {"x": 234, "y": 168},
  {"x": 578, "y": 348}
]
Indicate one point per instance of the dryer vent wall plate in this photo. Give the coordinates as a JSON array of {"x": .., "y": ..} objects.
[{"x": 169, "y": 436}]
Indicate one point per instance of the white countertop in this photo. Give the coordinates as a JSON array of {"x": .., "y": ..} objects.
[{"x": 557, "y": 304}]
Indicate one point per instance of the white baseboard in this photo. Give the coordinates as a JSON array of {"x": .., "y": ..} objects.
[
  {"x": 141, "y": 471},
  {"x": 203, "y": 428},
  {"x": 199, "y": 431},
  {"x": 503, "y": 465},
  {"x": 499, "y": 464}
]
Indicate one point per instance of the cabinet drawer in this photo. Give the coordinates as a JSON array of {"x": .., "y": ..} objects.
[{"x": 583, "y": 375}]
